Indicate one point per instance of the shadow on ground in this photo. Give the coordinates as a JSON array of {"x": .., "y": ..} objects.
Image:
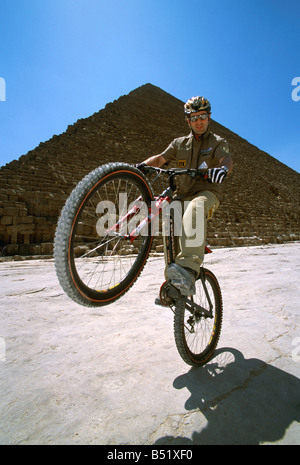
[{"x": 243, "y": 401}]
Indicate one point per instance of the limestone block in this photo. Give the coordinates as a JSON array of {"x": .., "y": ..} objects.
[{"x": 6, "y": 220}]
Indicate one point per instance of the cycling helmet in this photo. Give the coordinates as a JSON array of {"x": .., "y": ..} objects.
[{"x": 195, "y": 104}]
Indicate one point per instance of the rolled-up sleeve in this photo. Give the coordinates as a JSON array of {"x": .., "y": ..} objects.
[
  {"x": 170, "y": 153},
  {"x": 222, "y": 154}
]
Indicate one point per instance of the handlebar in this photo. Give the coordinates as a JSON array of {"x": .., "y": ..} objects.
[
  {"x": 172, "y": 172},
  {"x": 175, "y": 171}
]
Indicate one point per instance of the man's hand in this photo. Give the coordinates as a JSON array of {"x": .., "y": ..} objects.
[
  {"x": 141, "y": 166},
  {"x": 217, "y": 175}
]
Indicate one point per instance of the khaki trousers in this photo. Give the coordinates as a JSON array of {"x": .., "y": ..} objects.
[{"x": 191, "y": 243}]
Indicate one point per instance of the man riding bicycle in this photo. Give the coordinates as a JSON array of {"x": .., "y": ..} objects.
[{"x": 200, "y": 149}]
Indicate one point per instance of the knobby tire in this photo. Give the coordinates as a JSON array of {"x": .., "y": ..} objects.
[
  {"x": 196, "y": 338},
  {"x": 94, "y": 269}
]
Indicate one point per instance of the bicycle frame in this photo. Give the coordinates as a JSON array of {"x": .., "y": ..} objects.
[
  {"x": 103, "y": 240},
  {"x": 159, "y": 202}
]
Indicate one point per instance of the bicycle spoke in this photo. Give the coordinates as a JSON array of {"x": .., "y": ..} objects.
[
  {"x": 196, "y": 331},
  {"x": 103, "y": 263}
]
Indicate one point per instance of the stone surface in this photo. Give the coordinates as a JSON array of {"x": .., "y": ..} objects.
[
  {"x": 261, "y": 204},
  {"x": 112, "y": 375}
]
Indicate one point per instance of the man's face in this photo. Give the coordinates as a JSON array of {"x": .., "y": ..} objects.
[{"x": 200, "y": 126}]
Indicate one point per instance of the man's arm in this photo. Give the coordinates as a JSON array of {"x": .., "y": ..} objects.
[
  {"x": 223, "y": 155},
  {"x": 225, "y": 164},
  {"x": 157, "y": 161},
  {"x": 227, "y": 161}
]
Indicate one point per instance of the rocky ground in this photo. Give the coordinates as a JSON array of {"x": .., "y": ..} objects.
[{"x": 72, "y": 375}]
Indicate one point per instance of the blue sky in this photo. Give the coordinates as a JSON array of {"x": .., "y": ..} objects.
[{"x": 62, "y": 60}]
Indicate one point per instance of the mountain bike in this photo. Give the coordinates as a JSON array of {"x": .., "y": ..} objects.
[{"x": 104, "y": 238}]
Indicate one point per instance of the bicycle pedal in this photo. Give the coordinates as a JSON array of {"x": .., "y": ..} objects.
[{"x": 168, "y": 293}]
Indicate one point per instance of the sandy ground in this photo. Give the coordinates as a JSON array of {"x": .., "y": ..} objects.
[{"x": 72, "y": 375}]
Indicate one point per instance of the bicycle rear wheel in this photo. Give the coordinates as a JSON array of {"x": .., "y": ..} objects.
[
  {"x": 96, "y": 259},
  {"x": 196, "y": 334}
]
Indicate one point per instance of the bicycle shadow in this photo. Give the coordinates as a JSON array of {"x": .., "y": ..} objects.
[{"x": 243, "y": 401}]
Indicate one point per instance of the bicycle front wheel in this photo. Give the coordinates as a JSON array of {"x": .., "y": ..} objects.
[
  {"x": 97, "y": 259},
  {"x": 196, "y": 334}
]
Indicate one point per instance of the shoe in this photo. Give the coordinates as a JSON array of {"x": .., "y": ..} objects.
[{"x": 182, "y": 278}]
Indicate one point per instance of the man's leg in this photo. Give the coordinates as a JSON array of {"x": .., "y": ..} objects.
[
  {"x": 192, "y": 242},
  {"x": 193, "y": 239}
]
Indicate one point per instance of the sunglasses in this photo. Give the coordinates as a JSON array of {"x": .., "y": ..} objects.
[{"x": 193, "y": 119}]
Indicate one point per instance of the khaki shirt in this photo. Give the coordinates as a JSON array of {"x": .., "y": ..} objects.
[{"x": 191, "y": 153}]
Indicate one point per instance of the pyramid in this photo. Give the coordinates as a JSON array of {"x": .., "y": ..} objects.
[{"x": 261, "y": 201}]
